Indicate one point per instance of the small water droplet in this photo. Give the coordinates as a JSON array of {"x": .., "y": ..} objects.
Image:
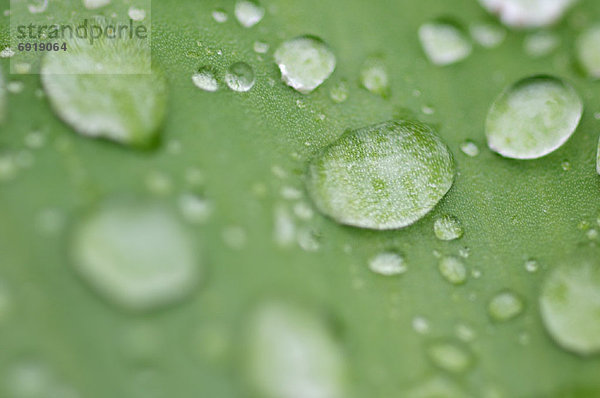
[
  {"x": 533, "y": 117},
  {"x": 487, "y": 35},
  {"x": 194, "y": 208},
  {"x": 248, "y": 12},
  {"x": 449, "y": 356},
  {"x": 476, "y": 273},
  {"x": 420, "y": 325},
  {"x": 565, "y": 165},
  {"x": 388, "y": 264},
  {"x": 206, "y": 79},
  {"x": 469, "y": 148},
  {"x": 15, "y": 87},
  {"x": 447, "y": 228},
  {"x": 374, "y": 76},
  {"x": 339, "y": 92},
  {"x": 260, "y": 47},
  {"x": 377, "y": 177},
  {"x": 453, "y": 270},
  {"x": 541, "y": 43},
  {"x": 219, "y": 15},
  {"x": 592, "y": 234},
  {"x": 570, "y": 305},
  {"x": 158, "y": 183},
  {"x": 240, "y": 77},
  {"x": 531, "y": 265},
  {"x": 136, "y": 14},
  {"x": 305, "y": 62},
  {"x": 427, "y": 110},
  {"x": 303, "y": 211},
  {"x": 505, "y": 306},
  {"x": 135, "y": 254},
  {"x": 465, "y": 332},
  {"x": 527, "y": 13},
  {"x": 464, "y": 252},
  {"x": 444, "y": 43}
]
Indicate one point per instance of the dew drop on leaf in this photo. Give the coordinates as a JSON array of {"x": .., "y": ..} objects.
[
  {"x": 447, "y": 228},
  {"x": 205, "y": 79},
  {"x": 305, "y": 62},
  {"x": 531, "y": 265},
  {"x": 374, "y": 76},
  {"x": 384, "y": 176},
  {"x": 248, "y": 12},
  {"x": 570, "y": 306},
  {"x": 533, "y": 117},
  {"x": 453, "y": 270},
  {"x": 588, "y": 51},
  {"x": 505, "y": 306},
  {"x": 291, "y": 353},
  {"x": 388, "y": 264},
  {"x": 444, "y": 43},
  {"x": 240, "y": 77},
  {"x": 540, "y": 44},
  {"x": 469, "y": 148},
  {"x": 527, "y": 13},
  {"x": 449, "y": 356},
  {"x": 136, "y": 255},
  {"x": 219, "y": 15},
  {"x": 136, "y": 14},
  {"x": 339, "y": 92},
  {"x": 487, "y": 35}
]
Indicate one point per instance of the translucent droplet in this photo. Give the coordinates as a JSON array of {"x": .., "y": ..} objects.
[
  {"x": 465, "y": 332},
  {"x": 384, "y": 176},
  {"x": 303, "y": 211},
  {"x": 447, "y": 228},
  {"x": 305, "y": 62},
  {"x": 339, "y": 92},
  {"x": 588, "y": 51},
  {"x": 248, "y": 12},
  {"x": 15, "y": 87},
  {"x": 240, "y": 77},
  {"x": 533, "y": 118},
  {"x": 531, "y": 265},
  {"x": 93, "y": 4},
  {"x": 219, "y": 15},
  {"x": 308, "y": 239},
  {"x": 260, "y": 47},
  {"x": 565, "y": 165},
  {"x": 137, "y": 14},
  {"x": 420, "y": 325},
  {"x": 541, "y": 43},
  {"x": 444, "y": 43},
  {"x": 38, "y": 7},
  {"x": 388, "y": 264},
  {"x": 374, "y": 76},
  {"x": 285, "y": 228},
  {"x": 449, "y": 357},
  {"x": 206, "y": 79},
  {"x": 291, "y": 353},
  {"x": 119, "y": 104},
  {"x": 194, "y": 208},
  {"x": 592, "y": 234},
  {"x": 527, "y": 13},
  {"x": 158, "y": 183},
  {"x": 487, "y": 35},
  {"x": 136, "y": 255},
  {"x": 504, "y": 306},
  {"x": 469, "y": 148},
  {"x": 453, "y": 270},
  {"x": 570, "y": 306}
]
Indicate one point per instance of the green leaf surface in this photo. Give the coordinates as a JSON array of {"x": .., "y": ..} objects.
[{"x": 245, "y": 154}]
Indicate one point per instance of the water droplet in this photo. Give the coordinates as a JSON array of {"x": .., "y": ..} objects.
[
  {"x": 566, "y": 165},
  {"x": 137, "y": 14},
  {"x": 291, "y": 353},
  {"x": 284, "y": 229},
  {"x": 240, "y": 77},
  {"x": 447, "y": 228},
  {"x": 136, "y": 255},
  {"x": 420, "y": 325},
  {"x": 339, "y": 92},
  {"x": 93, "y": 4},
  {"x": 453, "y": 270},
  {"x": 487, "y": 35},
  {"x": 120, "y": 104},
  {"x": 194, "y": 208},
  {"x": 234, "y": 237},
  {"x": 206, "y": 79},
  {"x": 464, "y": 252},
  {"x": 444, "y": 43},
  {"x": 374, "y": 76},
  {"x": 469, "y": 148},
  {"x": 15, "y": 87},
  {"x": 592, "y": 234},
  {"x": 303, "y": 211},
  {"x": 388, "y": 264},
  {"x": 158, "y": 183},
  {"x": 219, "y": 15},
  {"x": 290, "y": 193},
  {"x": 427, "y": 110},
  {"x": 305, "y": 62},
  {"x": 309, "y": 240},
  {"x": 570, "y": 305},
  {"x": 527, "y": 13},
  {"x": 588, "y": 51},
  {"x": 504, "y": 306},
  {"x": 541, "y": 43},
  {"x": 385, "y": 176},
  {"x": 260, "y": 47},
  {"x": 449, "y": 356},
  {"x": 465, "y": 332},
  {"x": 533, "y": 118},
  {"x": 248, "y": 12},
  {"x": 531, "y": 265}
]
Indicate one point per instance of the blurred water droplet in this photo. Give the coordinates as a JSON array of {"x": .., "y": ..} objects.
[
  {"x": 588, "y": 51},
  {"x": 453, "y": 270},
  {"x": 374, "y": 76},
  {"x": 527, "y": 13},
  {"x": 449, "y": 356},
  {"x": 303, "y": 211},
  {"x": 235, "y": 237},
  {"x": 206, "y": 79},
  {"x": 248, "y": 12},
  {"x": 136, "y": 14},
  {"x": 7, "y": 53},
  {"x": 308, "y": 239},
  {"x": 388, "y": 264},
  {"x": 531, "y": 265},
  {"x": 541, "y": 43},
  {"x": 444, "y": 43},
  {"x": 195, "y": 209},
  {"x": 284, "y": 229},
  {"x": 420, "y": 325},
  {"x": 465, "y": 333},
  {"x": 260, "y": 47},
  {"x": 505, "y": 306},
  {"x": 487, "y": 35},
  {"x": 447, "y": 228},
  {"x": 339, "y": 92},
  {"x": 219, "y": 15},
  {"x": 240, "y": 77}
]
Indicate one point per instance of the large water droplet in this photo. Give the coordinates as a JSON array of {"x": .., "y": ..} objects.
[
  {"x": 527, "y": 13},
  {"x": 248, "y": 12},
  {"x": 504, "y": 306},
  {"x": 374, "y": 76},
  {"x": 136, "y": 255},
  {"x": 240, "y": 77},
  {"x": 117, "y": 104},
  {"x": 292, "y": 354},
  {"x": 453, "y": 270},
  {"x": 449, "y": 356},
  {"x": 444, "y": 43},
  {"x": 305, "y": 62},
  {"x": 384, "y": 176},
  {"x": 570, "y": 306},
  {"x": 588, "y": 51},
  {"x": 447, "y": 228},
  {"x": 533, "y": 117},
  {"x": 388, "y": 263},
  {"x": 206, "y": 79}
]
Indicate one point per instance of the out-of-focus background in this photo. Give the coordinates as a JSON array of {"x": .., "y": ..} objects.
[{"x": 187, "y": 260}]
